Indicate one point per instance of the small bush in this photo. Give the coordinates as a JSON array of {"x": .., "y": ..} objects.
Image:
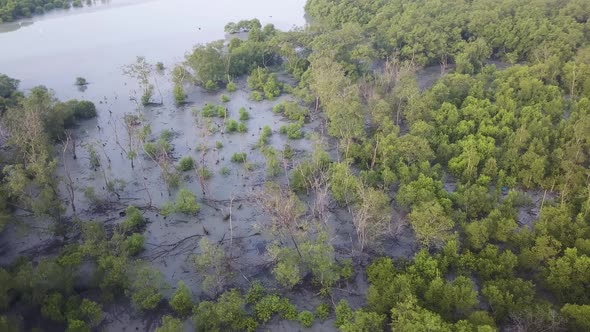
[
  {"x": 218, "y": 145},
  {"x": 267, "y": 307},
  {"x": 305, "y": 319},
  {"x": 343, "y": 314},
  {"x": 255, "y": 293},
  {"x": 322, "y": 311},
  {"x": 231, "y": 126},
  {"x": 186, "y": 164},
  {"x": 221, "y": 112},
  {"x": 179, "y": 94},
  {"x": 264, "y": 135},
  {"x": 166, "y": 135},
  {"x": 182, "y": 301},
  {"x": 186, "y": 202},
  {"x": 134, "y": 219},
  {"x": 209, "y": 111},
  {"x": 293, "y": 130},
  {"x": 225, "y": 171},
  {"x": 150, "y": 149},
  {"x": 256, "y": 96},
  {"x": 159, "y": 65},
  {"x": 134, "y": 244},
  {"x": 84, "y": 110},
  {"x": 211, "y": 86},
  {"x": 224, "y": 98},
  {"x": 231, "y": 87},
  {"x": 288, "y": 152},
  {"x": 167, "y": 209},
  {"x": 170, "y": 324},
  {"x": 244, "y": 115},
  {"x": 287, "y": 310},
  {"x": 279, "y": 108},
  {"x": 346, "y": 270},
  {"x": 239, "y": 157},
  {"x": 242, "y": 128},
  {"x": 204, "y": 173}
]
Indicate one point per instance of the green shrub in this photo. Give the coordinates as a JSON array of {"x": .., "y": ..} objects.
[
  {"x": 186, "y": 164},
  {"x": 166, "y": 135},
  {"x": 239, "y": 157},
  {"x": 170, "y": 324},
  {"x": 224, "y": 98},
  {"x": 81, "y": 81},
  {"x": 204, "y": 173},
  {"x": 150, "y": 149},
  {"x": 255, "y": 293},
  {"x": 273, "y": 166},
  {"x": 242, "y": 128},
  {"x": 211, "y": 86},
  {"x": 264, "y": 135},
  {"x": 159, "y": 65},
  {"x": 52, "y": 307},
  {"x": 305, "y": 319},
  {"x": 221, "y": 112},
  {"x": 186, "y": 202},
  {"x": 182, "y": 301},
  {"x": 209, "y": 111},
  {"x": 134, "y": 244},
  {"x": 346, "y": 270},
  {"x": 231, "y": 126},
  {"x": 145, "y": 288},
  {"x": 76, "y": 325},
  {"x": 231, "y": 87},
  {"x": 279, "y": 108},
  {"x": 322, "y": 311},
  {"x": 179, "y": 94},
  {"x": 343, "y": 314},
  {"x": 287, "y": 310},
  {"x": 167, "y": 209},
  {"x": 84, "y": 110},
  {"x": 91, "y": 312},
  {"x": 256, "y": 96},
  {"x": 288, "y": 151},
  {"x": 218, "y": 145},
  {"x": 267, "y": 307},
  {"x": 244, "y": 115},
  {"x": 225, "y": 171},
  {"x": 293, "y": 130},
  {"x": 134, "y": 219}
]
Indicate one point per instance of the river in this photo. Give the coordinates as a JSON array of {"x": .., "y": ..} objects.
[{"x": 95, "y": 41}]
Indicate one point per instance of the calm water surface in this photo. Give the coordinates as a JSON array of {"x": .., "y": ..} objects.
[{"x": 94, "y": 42}]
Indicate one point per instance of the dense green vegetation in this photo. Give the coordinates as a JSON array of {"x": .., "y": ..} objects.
[
  {"x": 11, "y": 10},
  {"x": 485, "y": 172}
]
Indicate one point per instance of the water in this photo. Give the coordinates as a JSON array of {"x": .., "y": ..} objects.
[{"x": 94, "y": 42}]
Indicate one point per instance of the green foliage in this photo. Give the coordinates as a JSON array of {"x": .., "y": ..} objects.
[
  {"x": 242, "y": 127},
  {"x": 134, "y": 244},
  {"x": 134, "y": 220},
  {"x": 238, "y": 157},
  {"x": 431, "y": 224},
  {"x": 224, "y": 98},
  {"x": 209, "y": 111},
  {"x": 568, "y": 277},
  {"x": 305, "y": 318},
  {"x": 93, "y": 157},
  {"x": 260, "y": 80},
  {"x": 186, "y": 202},
  {"x": 343, "y": 314},
  {"x": 170, "y": 324},
  {"x": 231, "y": 126},
  {"x": 264, "y": 135},
  {"x": 227, "y": 313},
  {"x": 204, "y": 173},
  {"x": 145, "y": 289},
  {"x": 256, "y": 96},
  {"x": 255, "y": 293},
  {"x": 186, "y": 163},
  {"x": 267, "y": 307},
  {"x": 179, "y": 94},
  {"x": 273, "y": 167},
  {"x": 292, "y": 130},
  {"x": 244, "y": 115},
  {"x": 578, "y": 316},
  {"x": 344, "y": 186},
  {"x": 322, "y": 311},
  {"x": 231, "y": 87},
  {"x": 181, "y": 300},
  {"x": 225, "y": 171},
  {"x": 291, "y": 110}
]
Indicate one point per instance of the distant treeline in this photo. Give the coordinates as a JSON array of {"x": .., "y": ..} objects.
[{"x": 11, "y": 10}]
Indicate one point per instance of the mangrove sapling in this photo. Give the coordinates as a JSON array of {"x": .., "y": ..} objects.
[
  {"x": 81, "y": 81},
  {"x": 68, "y": 177},
  {"x": 371, "y": 216},
  {"x": 181, "y": 300},
  {"x": 146, "y": 288},
  {"x": 93, "y": 157},
  {"x": 214, "y": 263},
  {"x": 141, "y": 70}
]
